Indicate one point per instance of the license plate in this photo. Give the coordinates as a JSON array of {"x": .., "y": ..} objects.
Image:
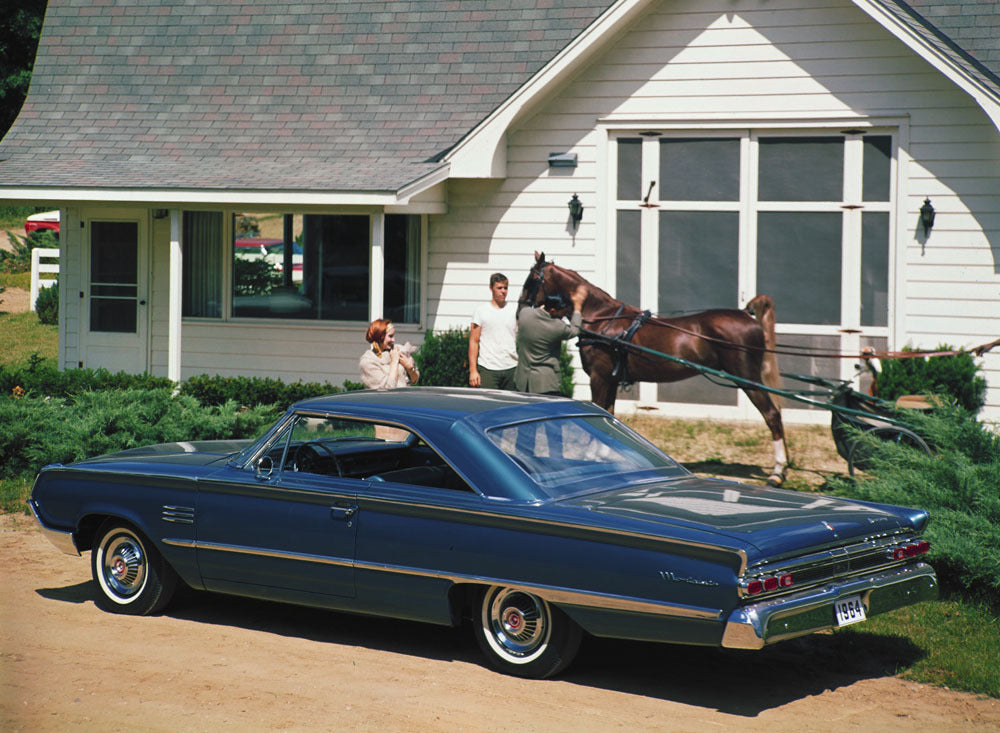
[{"x": 849, "y": 610}]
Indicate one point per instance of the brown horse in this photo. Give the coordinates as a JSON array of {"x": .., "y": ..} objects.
[{"x": 728, "y": 340}]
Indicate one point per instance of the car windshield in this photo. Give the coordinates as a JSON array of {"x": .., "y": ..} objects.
[{"x": 563, "y": 451}]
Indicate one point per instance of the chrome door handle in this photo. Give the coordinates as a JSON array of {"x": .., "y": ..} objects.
[{"x": 345, "y": 513}]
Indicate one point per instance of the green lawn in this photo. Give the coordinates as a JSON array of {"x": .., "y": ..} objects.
[
  {"x": 957, "y": 641},
  {"x": 23, "y": 335}
]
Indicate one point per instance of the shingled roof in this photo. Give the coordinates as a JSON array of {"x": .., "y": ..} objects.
[
  {"x": 353, "y": 95},
  {"x": 319, "y": 96}
]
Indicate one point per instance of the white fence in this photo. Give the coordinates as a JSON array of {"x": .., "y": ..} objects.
[{"x": 42, "y": 272}]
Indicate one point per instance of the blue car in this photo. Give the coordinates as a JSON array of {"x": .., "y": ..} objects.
[{"x": 538, "y": 518}]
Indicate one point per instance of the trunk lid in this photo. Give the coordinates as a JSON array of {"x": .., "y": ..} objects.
[{"x": 775, "y": 521}]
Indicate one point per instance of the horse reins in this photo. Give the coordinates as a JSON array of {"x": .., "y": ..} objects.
[{"x": 646, "y": 317}]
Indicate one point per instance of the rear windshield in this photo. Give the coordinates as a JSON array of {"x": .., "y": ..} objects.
[{"x": 560, "y": 453}]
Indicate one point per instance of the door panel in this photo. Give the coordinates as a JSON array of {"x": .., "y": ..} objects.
[{"x": 296, "y": 535}]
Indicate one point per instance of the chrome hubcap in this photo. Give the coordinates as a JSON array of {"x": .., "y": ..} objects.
[
  {"x": 517, "y": 622},
  {"x": 124, "y": 566}
]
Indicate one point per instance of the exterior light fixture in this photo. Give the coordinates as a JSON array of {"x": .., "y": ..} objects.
[
  {"x": 575, "y": 211},
  {"x": 927, "y": 216},
  {"x": 562, "y": 160}
]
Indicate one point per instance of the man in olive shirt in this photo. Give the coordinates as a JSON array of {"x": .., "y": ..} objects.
[{"x": 540, "y": 333}]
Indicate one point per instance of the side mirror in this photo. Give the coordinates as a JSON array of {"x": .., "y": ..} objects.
[{"x": 265, "y": 467}]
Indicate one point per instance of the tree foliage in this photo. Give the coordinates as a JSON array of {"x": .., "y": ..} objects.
[{"x": 20, "y": 27}]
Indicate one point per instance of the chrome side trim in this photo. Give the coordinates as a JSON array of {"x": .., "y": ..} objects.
[
  {"x": 259, "y": 552},
  {"x": 759, "y": 624},
  {"x": 62, "y": 539},
  {"x": 553, "y": 594}
]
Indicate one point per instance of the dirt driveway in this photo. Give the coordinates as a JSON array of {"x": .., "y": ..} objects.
[{"x": 218, "y": 664}]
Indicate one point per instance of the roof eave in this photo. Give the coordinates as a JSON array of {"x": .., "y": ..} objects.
[
  {"x": 482, "y": 153},
  {"x": 987, "y": 97},
  {"x": 399, "y": 201}
]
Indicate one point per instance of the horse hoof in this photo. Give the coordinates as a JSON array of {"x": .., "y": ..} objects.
[{"x": 775, "y": 479}]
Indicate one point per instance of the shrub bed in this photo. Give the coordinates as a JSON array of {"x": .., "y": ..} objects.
[
  {"x": 443, "y": 361},
  {"x": 35, "y": 431},
  {"x": 959, "y": 484},
  {"x": 955, "y": 376},
  {"x": 217, "y": 390},
  {"x": 40, "y": 377}
]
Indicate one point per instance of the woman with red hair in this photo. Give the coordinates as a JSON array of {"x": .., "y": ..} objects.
[{"x": 385, "y": 365}]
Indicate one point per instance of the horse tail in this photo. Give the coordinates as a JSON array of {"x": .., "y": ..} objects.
[{"x": 761, "y": 307}]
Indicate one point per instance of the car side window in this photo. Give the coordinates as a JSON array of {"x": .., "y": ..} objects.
[{"x": 357, "y": 449}]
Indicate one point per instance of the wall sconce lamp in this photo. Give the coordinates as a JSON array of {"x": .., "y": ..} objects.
[
  {"x": 575, "y": 210},
  {"x": 161, "y": 213},
  {"x": 927, "y": 216}
]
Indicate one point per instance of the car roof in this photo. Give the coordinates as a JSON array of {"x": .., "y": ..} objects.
[
  {"x": 452, "y": 403},
  {"x": 456, "y": 421}
]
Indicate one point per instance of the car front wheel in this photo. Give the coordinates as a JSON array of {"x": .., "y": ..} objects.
[
  {"x": 131, "y": 576},
  {"x": 522, "y": 635}
]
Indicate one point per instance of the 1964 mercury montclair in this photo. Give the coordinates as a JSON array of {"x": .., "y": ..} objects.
[{"x": 538, "y": 517}]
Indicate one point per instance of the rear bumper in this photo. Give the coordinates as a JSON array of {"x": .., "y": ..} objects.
[
  {"x": 62, "y": 539},
  {"x": 754, "y": 626}
]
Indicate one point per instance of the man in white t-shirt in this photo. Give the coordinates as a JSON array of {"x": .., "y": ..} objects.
[{"x": 492, "y": 349}]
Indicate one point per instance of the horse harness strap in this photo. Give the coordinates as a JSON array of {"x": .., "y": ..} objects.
[{"x": 618, "y": 344}]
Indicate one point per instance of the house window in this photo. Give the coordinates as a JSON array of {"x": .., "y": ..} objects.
[
  {"x": 401, "y": 299},
  {"x": 299, "y": 266},
  {"x": 202, "y": 270},
  {"x": 709, "y": 220}
]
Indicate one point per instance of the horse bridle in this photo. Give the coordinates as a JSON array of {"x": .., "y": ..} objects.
[{"x": 537, "y": 284}]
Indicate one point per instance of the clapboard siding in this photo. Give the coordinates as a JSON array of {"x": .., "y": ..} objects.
[{"x": 749, "y": 60}]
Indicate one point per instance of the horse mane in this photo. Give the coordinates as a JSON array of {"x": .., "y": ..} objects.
[{"x": 592, "y": 290}]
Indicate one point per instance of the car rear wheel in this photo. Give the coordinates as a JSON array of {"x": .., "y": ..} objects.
[
  {"x": 522, "y": 635},
  {"x": 131, "y": 576}
]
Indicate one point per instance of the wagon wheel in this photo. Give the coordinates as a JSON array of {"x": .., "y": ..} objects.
[{"x": 857, "y": 457}]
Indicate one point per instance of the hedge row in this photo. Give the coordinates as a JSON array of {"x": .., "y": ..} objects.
[
  {"x": 40, "y": 378},
  {"x": 959, "y": 484},
  {"x": 35, "y": 431},
  {"x": 956, "y": 376}
]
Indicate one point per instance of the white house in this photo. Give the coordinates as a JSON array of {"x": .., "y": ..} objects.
[{"x": 404, "y": 151}]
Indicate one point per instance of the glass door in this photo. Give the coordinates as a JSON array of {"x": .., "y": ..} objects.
[
  {"x": 708, "y": 220},
  {"x": 116, "y": 302}
]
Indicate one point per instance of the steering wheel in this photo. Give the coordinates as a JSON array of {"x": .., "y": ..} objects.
[{"x": 307, "y": 456}]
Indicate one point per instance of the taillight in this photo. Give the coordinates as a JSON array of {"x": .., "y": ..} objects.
[
  {"x": 771, "y": 582},
  {"x": 912, "y": 550}
]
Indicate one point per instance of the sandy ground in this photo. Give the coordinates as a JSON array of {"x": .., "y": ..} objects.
[
  {"x": 211, "y": 663},
  {"x": 12, "y": 300}
]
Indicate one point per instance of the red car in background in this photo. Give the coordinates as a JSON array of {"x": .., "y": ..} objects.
[{"x": 46, "y": 220}]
